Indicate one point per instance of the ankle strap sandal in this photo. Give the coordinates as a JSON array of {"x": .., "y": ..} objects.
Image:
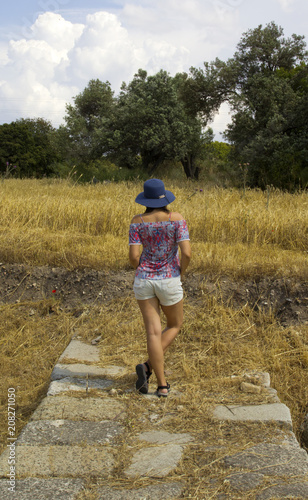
[{"x": 163, "y": 394}]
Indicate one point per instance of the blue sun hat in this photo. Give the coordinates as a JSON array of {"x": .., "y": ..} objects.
[{"x": 154, "y": 194}]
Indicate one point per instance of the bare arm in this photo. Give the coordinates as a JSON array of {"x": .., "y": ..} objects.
[
  {"x": 134, "y": 255},
  {"x": 185, "y": 255}
]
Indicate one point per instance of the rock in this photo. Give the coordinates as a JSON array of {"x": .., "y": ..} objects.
[
  {"x": 50, "y": 461},
  {"x": 157, "y": 461},
  {"x": 42, "y": 489},
  {"x": 80, "y": 370},
  {"x": 161, "y": 491},
  {"x": 287, "y": 490},
  {"x": 96, "y": 340},
  {"x": 272, "y": 459},
  {"x": 66, "y": 432},
  {"x": 77, "y": 384},
  {"x": 250, "y": 388},
  {"x": 75, "y": 408},
  {"x": 80, "y": 351},
  {"x": 258, "y": 378},
  {"x": 245, "y": 481},
  {"x": 163, "y": 437},
  {"x": 264, "y": 413}
]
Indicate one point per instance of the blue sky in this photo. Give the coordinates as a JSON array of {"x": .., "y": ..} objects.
[{"x": 50, "y": 49}]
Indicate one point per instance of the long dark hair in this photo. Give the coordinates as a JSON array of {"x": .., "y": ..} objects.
[{"x": 163, "y": 209}]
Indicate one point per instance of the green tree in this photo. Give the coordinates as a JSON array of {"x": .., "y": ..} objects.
[
  {"x": 27, "y": 144},
  {"x": 152, "y": 125},
  {"x": 87, "y": 123},
  {"x": 268, "y": 129}
]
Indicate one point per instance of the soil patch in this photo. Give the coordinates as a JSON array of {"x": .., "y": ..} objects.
[{"x": 286, "y": 298}]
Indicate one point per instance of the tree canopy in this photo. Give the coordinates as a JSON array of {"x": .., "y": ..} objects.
[
  {"x": 158, "y": 118},
  {"x": 26, "y": 144},
  {"x": 269, "y": 124}
]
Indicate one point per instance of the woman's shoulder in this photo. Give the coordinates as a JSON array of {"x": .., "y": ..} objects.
[
  {"x": 136, "y": 219},
  {"x": 176, "y": 216}
]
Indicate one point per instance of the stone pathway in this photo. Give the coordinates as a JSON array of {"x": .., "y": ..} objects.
[{"x": 73, "y": 436}]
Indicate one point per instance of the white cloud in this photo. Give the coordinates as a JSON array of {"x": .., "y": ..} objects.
[
  {"x": 56, "y": 31},
  {"x": 103, "y": 51},
  {"x": 32, "y": 76},
  {"x": 43, "y": 71}
]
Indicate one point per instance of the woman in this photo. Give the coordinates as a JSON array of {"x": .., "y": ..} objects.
[{"x": 158, "y": 276}]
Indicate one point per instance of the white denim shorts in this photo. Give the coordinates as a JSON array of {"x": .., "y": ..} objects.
[{"x": 169, "y": 291}]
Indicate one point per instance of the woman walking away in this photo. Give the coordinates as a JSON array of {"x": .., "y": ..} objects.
[{"x": 159, "y": 269}]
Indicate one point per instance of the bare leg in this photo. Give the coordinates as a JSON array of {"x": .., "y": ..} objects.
[
  {"x": 151, "y": 317},
  {"x": 174, "y": 316}
]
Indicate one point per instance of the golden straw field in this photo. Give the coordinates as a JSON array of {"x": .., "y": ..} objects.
[
  {"x": 242, "y": 236},
  {"x": 234, "y": 232}
]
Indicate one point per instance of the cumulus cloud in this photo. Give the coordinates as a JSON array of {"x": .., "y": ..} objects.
[
  {"x": 43, "y": 71},
  {"x": 31, "y": 83},
  {"x": 104, "y": 51}
]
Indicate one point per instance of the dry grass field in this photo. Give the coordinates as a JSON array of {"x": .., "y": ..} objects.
[
  {"x": 76, "y": 226},
  {"x": 235, "y": 234}
]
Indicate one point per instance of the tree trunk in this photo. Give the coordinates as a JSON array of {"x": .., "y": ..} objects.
[{"x": 190, "y": 168}]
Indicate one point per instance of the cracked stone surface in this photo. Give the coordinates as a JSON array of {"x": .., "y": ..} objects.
[
  {"x": 80, "y": 351},
  {"x": 285, "y": 459},
  {"x": 77, "y": 384},
  {"x": 77, "y": 408},
  {"x": 287, "y": 490},
  {"x": 65, "y": 432},
  {"x": 81, "y": 370},
  {"x": 162, "y": 491},
  {"x": 63, "y": 461},
  {"x": 42, "y": 489},
  {"x": 156, "y": 461},
  {"x": 278, "y": 412},
  {"x": 245, "y": 482},
  {"x": 163, "y": 437}
]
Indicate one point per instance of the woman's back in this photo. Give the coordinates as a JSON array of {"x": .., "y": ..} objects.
[{"x": 159, "y": 232}]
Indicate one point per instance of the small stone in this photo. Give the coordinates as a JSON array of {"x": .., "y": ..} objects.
[
  {"x": 250, "y": 388},
  {"x": 96, "y": 340},
  {"x": 153, "y": 417}
]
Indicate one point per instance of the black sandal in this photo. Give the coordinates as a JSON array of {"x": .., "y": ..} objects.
[
  {"x": 143, "y": 377},
  {"x": 162, "y": 394},
  {"x": 149, "y": 373}
]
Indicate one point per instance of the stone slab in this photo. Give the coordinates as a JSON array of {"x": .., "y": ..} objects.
[
  {"x": 163, "y": 491},
  {"x": 278, "y": 412},
  {"x": 157, "y": 461},
  {"x": 246, "y": 481},
  {"x": 42, "y": 489},
  {"x": 272, "y": 459},
  {"x": 81, "y": 370},
  {"x": 75, "y": 408},
  {"x": 77, "y": 384},
  {"x": 63, "y": 461},
  {"x": 66, "y": 432},
  {"x": 163, "y": 437},
  {"x": 77, "y": 350},
  {"x": 295, "y": 490}
]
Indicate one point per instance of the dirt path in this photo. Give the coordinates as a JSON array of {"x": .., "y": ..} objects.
[{"x": 286, "y": 297}]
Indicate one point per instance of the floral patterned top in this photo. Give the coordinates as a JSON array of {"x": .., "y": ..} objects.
[{"x": 160, "y": 257}]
